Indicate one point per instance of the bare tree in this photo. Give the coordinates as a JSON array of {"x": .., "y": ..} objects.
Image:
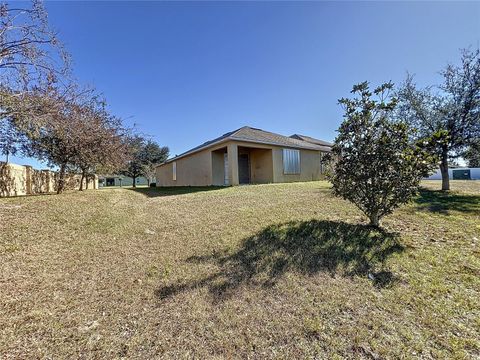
[
  {"x": 30, "y": 53},
  {"x": 31, "y": 58}
]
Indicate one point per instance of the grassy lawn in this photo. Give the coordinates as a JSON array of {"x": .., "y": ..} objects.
[{"x": 267, "y": 271}]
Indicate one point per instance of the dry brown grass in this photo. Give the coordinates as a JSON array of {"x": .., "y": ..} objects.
[{"x": 267, "y": 271}]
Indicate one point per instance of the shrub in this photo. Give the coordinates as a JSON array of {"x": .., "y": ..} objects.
[{"x": 377, "y": 166}]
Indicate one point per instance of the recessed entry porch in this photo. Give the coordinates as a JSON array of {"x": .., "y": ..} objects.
[{"x": 234, "y": 165}]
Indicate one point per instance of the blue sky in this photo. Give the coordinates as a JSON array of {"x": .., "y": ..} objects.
[{"x": 187, "y": 72}]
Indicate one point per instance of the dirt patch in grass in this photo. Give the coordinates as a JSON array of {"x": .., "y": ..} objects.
[{"x": 267, "y": 271}]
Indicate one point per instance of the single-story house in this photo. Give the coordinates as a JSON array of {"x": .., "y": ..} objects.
[{"x": 246, "y": 156}]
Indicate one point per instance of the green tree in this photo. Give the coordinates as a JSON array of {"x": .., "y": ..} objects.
[
  {"x": 472, "y": 155},
  {"x": 377, "y": 167},
  {"x": 153, "y": 154},
  {"x": 144, "y": 155},
  {"x": 99, "y": 140},
  {"x": 452, "y": 108},
  {"x": 10, "y": 138},
  {"x": 134, "y": 167}
]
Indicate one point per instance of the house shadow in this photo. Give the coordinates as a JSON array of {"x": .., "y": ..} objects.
[
  {"x": 173, "y": 190},
  {"x": 442, "y": 202},
  {"x": 308, "y": 247}
]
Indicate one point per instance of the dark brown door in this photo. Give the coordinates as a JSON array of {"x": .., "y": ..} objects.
[{"x": 243, "y": 169}]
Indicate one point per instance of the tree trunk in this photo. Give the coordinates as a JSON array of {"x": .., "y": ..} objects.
[
  {"x": 81, "y": 181},
  {"x": 134, "y": 181},
  {"x": 444, "y": 170},
  {"x": 61, "y": 179},
  {"x": 374, "y": 220},
  {"x": 86, "y": 182}
]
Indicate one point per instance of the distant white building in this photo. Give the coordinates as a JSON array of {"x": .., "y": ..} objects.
[
  {"x": 120, "y": 180},
  {"x": 458, "y": 174}
]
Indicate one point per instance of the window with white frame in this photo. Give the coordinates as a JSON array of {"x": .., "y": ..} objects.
[
  {"x": 291, "y": 161},
  {"x": 174, "y": 170}
]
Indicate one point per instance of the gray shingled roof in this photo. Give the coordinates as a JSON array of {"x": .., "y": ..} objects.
[
  {"x": 261, "y": 136},
  {"x": 312, "y": 140},
  {"x": 253, "y": 135}
]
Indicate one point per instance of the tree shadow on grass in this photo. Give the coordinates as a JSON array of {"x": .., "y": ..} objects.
[
  {"x": 305, "y": 247},
  {"x": 442, "y": 202},
  {"x": 173, "y": 190}
]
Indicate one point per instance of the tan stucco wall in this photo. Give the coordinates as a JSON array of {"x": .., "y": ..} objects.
[
  {"x": 193, "y": 170},
  {"x": 13, "y": 180},
  {"x": 218, "y": 167},
  {"x": 261, "y": 166},
  {"x": 42, "y": 181},
  {"x": 309, "y": 166},
  {"x": 196, "y": 169},
  {"x": 17, "y": 180}
]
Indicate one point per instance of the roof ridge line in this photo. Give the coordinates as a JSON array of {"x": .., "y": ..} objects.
[{"x": 232, "y": 133}]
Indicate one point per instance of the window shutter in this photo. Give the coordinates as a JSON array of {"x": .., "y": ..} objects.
[{"x": 291, "y": 161}]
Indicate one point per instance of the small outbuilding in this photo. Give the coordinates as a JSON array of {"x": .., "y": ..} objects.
[
  {"x": 121, "y": 180},
  {"x": 246, "y": 156},
  {"x": 461, "y": 173}
]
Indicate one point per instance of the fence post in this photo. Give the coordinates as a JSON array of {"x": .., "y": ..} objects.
[{"x": 28, "y": 179}]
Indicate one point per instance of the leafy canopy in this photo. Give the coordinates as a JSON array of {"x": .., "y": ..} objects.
[
  {"x": 453, "y": 108},
  {"x": 472, "y": 155},
  {"x": 144, "y": 156}
]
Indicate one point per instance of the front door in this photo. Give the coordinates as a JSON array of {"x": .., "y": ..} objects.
[{"x": 243, "y": 169}]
